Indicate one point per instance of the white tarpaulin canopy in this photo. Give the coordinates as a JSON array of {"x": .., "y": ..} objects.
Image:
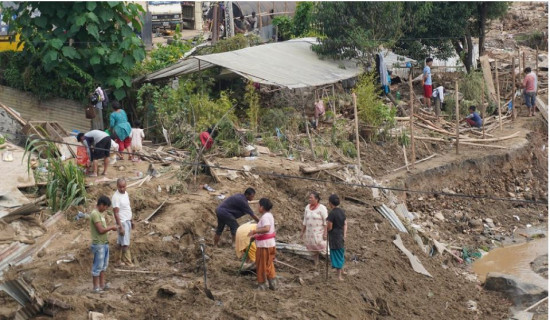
[{"x": 291, "y": 64}]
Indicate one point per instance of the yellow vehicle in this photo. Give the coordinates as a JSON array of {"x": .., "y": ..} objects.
[{"x": 5, "y": 37}]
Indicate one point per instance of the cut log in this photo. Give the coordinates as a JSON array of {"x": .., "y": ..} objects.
[
  {"x": 483, "y": 145},
  {"x": 156, "y": 210},
  {"x": 325, "y": 166},
  {"x": 492, "y": 139}
]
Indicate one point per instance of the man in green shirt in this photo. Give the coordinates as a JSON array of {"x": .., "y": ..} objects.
[{"x": 100, "y": 243}]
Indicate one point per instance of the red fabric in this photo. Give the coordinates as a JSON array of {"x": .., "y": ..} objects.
[
  {"x": 81, "y": 156},
  {"x": 265, "y": 236},
  {"x": 471, "y": 122},
  {"x": 529, "y": 82},
  {"x": 123, "y": 144},
  {"x": 428, "y": 90},
  {"x": 206, "y": 140}
]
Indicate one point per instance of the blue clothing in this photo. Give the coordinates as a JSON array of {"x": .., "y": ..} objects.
[
  {"x": 337, "y": 258},
  {"x": 101, "y": 258},
  {"x": 476, "y": 118},
  {"x": 119, "y": 123},
  {"x": 427, "y": 71},
  {"x": 530, "y": 99},
  {"x": 235, "y": 206}
]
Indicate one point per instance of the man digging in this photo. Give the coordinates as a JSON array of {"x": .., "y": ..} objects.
[{"x": 123, "y": 217}]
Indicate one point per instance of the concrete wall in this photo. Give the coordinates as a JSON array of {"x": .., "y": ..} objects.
[{"x": 68, "y": 113}]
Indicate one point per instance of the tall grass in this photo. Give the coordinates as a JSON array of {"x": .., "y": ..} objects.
[{"x": 65, "y": 181}]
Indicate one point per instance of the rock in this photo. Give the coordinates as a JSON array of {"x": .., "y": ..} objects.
[
  {"x": 475, "y": 223},
  {"x": 167, "y": 238},
  {"x": 511, "y": 195},
  {"x": 519, "y": 292},
  {"x": 489, "y": 223},
  {"x": 232, "y": 175},
  {"x": 471, "y": 305},
  {"x": 121, "y": 168},
  {"x": 447, "y": 190},
  {"x": 439, "y": 216}
]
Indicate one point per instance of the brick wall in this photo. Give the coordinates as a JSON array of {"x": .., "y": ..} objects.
[{"x": 68, "y": 113}]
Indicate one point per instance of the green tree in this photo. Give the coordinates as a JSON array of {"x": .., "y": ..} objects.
[
  {"x": 82, "y": 42},
  {"x": 357, "y": 29},
  {"x": 442, "y": 28},
  {"x": 303, "y": 18}
]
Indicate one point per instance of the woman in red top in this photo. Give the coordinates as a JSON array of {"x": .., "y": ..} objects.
[{"x": 206, "y": 139}]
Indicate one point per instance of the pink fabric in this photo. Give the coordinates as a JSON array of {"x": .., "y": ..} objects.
[
  {"x": 319, "y": 109},
  {"x": 266, "y": 240},
  {"x": 529, "y": 82},
  {"x": 315, "y": 222},
  {"x": 206, "y": 140}
]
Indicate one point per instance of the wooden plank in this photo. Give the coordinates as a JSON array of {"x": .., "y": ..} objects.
[
  {"x": 156, "y": 210},
  {"x": 325, "y": 166},
  {"x": 543, "y": 108},
  {"x": 486, "y": 67},
  {"x": 71, "y": 140}
]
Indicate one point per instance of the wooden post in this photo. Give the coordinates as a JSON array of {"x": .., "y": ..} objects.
[
  {"x": 519, "y": 60},
  {"x": 483, "y": 110},
  {"x": 333, "y": 102},
  {"x": 457, "y": 115},
  {"x": 356, "y": 132},
  {"x": 411, "y": 117},
  {"x": 259, "y": 17},
  {"x": 537, "y": 62},
  {"x": 513, "y": 88},
  {"x": 523, "y": 59},
  {"x": 498, "y": 96}
]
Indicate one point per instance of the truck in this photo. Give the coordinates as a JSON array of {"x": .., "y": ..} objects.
[{"x": 165, "y": 14}]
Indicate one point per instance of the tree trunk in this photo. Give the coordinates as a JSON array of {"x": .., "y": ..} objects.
[
  {"x": 470, "y": 55},
  {"x": 464, "y": 49},
  {"x": 482, "y": 11}
]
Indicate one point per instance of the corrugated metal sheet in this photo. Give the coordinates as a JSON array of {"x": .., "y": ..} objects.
[
  {"x": 70, "y": 114},
  {"x": 392, "y": 217},
  {"x": 25, "y": 295},
  {"x": 289, "y": 64}
]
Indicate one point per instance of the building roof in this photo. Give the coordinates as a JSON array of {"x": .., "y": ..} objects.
[{"x": 290, "y": 64}]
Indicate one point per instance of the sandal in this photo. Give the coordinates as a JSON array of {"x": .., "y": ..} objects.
[{"x": 106, "y": 287}]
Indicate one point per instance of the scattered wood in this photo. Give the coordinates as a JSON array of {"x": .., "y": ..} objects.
[
  {"x": 211, "y": 168},
  {"x": 406, "y": 161},
  {"x": 321, "y": 167},
  {"x": 483, "y": 145},
  {"x": 422, "y": 160},
  {"x": 352, "y": 199},
  {"x": 156, "y": 210},
  {"x": 135, "y": 271},
  {"x": 442, "y": 248},
  {"x": 288, "y": 265},
  {"x": 491, "y": 139}
]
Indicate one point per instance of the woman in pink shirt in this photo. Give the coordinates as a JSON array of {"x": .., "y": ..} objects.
[{"x": 529, "y": 86}]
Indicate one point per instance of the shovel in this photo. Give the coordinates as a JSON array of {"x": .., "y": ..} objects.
[
  {"x": 246, "y": 255},
  {"x": 206, "y": 290}
]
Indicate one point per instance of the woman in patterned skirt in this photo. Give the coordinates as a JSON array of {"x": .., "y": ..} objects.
[{"x": 315, "y": 226}]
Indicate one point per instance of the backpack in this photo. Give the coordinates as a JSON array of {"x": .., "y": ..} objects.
[
  {"x": 106, "y": 101},
  {"x": 94, "y": 98}
]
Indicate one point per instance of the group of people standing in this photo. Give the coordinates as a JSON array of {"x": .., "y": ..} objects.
[
  {"x": 121, "y": 137},
  {"x": 318, "y": 224},
  {"x": 123, "y": 217}
]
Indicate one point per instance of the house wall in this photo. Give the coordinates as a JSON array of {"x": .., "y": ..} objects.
[{"x": 68, "y": 113}]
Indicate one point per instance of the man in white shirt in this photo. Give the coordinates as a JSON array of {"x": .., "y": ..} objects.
[{"x": 123, "y": 216}]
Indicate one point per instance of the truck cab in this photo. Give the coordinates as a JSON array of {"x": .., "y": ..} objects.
[{"x": 165, "y": 14}]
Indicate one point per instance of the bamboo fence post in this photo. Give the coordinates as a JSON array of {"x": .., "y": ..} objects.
[
  {"x": 513, "y": 88},
  {"x": 356, "y": 132},
  {"x": 498, "y": 95},
  {"x": 457, "y": 115},
  {"x": 483, "y": 110},
  {"x": 537, "y": 62},
  {"x": 411, "y": 117},
  {"x": 523, "y": 59}
]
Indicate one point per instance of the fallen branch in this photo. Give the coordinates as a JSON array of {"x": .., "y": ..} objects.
[
  {"x": 135, "y": 271},
  {"x": 154, "y": 212},
  {"x": 421, "y": 160},
  {"x": 286, "y": 264},
  {"x": 492, "y": 139},
  {"x": 483, "y": 145}
]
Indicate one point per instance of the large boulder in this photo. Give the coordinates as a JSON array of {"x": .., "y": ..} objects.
[{"x": 518, "y": 291}]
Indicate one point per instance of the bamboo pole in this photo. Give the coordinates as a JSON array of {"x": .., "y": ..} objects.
[
  {"x": 519, "y": 60},
  {"x": 498, "y": 95},
  {"x": 411, "y": 104},
  {"x": 356, "y": 132},
  {"x": 523, "y": 59},
  {"x": 537, "y": 62},
  {"x": 483, "y": 110},
  {"x": 259, "y": 18},
  {"x": 457, "y": 115},
  {"x": 513, "y": 88}
]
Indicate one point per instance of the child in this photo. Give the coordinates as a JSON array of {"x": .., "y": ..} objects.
[
  {"x": 100, "y": 243},
  {"x": 337, "y": 228},
  {"x": 265, "y": 246},
  {"x": 473, "y": 119},
  {"x": 137, "y": 136}
]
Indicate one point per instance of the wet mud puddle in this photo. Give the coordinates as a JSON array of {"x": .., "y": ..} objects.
[{"x": 514, "y": 260}]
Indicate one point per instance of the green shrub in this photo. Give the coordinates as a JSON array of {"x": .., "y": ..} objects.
[
  {"x": 66, "y": 185},
  {"x": 371, "y": 109},
  {"x": 348, "y": 148},
  {"x": 252, "y": 97}
]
